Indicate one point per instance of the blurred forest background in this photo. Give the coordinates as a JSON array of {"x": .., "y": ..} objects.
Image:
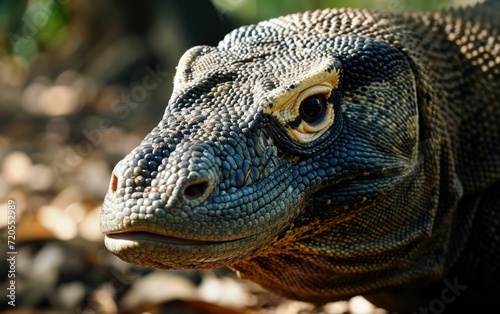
[{"x": 73, "y": 102}]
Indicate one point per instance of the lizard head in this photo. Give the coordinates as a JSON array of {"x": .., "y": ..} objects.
[{"x": 272, "y": 148}]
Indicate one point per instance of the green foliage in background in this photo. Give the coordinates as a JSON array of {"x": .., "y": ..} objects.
[
  {"x": 251, "y": 11},
  {"x": 32, "y": 26},
  {"x": 29, "y": 27}
]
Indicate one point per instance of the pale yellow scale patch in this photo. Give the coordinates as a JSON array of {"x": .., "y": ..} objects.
[{"x": 285, "y": 103}]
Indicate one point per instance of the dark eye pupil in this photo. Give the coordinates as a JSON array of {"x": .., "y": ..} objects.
[{"x": 312, "y": 109}]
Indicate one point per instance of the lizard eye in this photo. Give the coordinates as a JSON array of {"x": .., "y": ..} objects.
[
  {"x": 312, "y": 112},
  {"x": 312, "y": 109},
  {"x": 305, "y": 109}
]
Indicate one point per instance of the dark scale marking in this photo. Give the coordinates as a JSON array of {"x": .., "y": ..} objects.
[{"x": 294, "y": 124}]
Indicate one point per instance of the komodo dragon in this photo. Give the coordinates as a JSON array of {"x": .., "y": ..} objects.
[{"x": 329, "y": 154}]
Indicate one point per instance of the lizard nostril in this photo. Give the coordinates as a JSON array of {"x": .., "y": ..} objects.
[
  {"x": 196, "y": 189},
  {"x": 113, "y": 186}
]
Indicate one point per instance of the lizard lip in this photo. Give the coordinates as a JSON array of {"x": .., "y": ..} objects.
[
  {"x": 167, "y": 252},
  {"x": 155, "y": 237}
]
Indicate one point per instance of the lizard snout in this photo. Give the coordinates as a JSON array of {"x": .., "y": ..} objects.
[
  {"x": 190, "y": 177},
  {"x": 195, "y": 190}
]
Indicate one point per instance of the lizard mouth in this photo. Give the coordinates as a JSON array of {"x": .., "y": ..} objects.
[
  {"x": 168, "y": 252},
  {"x": 155, "y": 237}
]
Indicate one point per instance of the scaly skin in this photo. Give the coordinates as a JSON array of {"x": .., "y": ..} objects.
[{"x": 325, "y": 155}]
